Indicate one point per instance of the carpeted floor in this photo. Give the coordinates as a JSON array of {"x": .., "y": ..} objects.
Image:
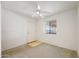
[{"x": 41, "y": 51}]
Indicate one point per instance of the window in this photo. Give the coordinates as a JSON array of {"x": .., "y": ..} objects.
[{"x": 51, "y": 27}]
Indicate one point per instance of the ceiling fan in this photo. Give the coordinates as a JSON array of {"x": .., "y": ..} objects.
[{"x": 39, "y": 13}]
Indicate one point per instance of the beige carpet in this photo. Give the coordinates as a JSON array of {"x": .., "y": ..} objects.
[{"x": 41, "y": 51}]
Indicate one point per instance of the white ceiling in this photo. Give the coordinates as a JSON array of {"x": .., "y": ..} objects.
[{"x": 27, "y": 7}]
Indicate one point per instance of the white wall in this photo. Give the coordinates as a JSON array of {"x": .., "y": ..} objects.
[
  {"x": 15, "y": 29},
  {"x": 66, "y": 30},
  {"x": 78, "y": 31},
  {"x": 0, "y": 29}
]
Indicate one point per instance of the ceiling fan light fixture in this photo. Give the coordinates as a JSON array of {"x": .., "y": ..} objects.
[
  {"x": 41, "y": 16},
  {"x": 38, "y": 7},
  {"x": 37, "y": 12}
]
